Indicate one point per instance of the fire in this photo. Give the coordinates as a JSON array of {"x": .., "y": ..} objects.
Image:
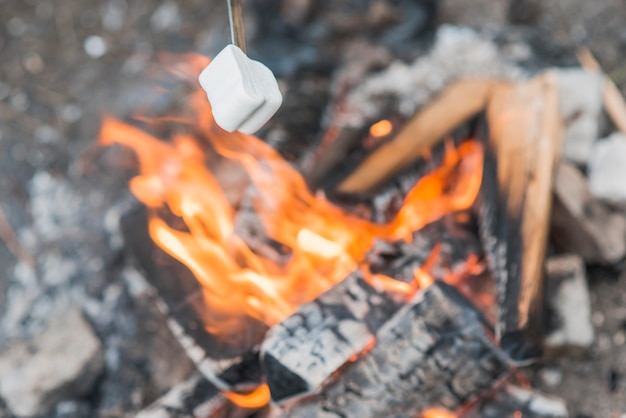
[
  {"x": 382, "y": 128},
  {"x": 437, "y": 413},
  {"x": 258, "y": 398},
  {"x": 322, "y": 243}
]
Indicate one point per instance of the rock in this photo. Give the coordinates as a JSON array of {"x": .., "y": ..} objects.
[
  {"x": 62, "y": 362},
  {"x": 607, "y": 168},
  {"x": 568, "y": 300},
  {"x": 514, "y": 401},
  {"x": 551, "y": 376},
  {"x": 580, "y": 102},
  {"x": 583, "y": 225}
]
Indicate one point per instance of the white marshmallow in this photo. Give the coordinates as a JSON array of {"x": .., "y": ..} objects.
[{"x": 243, "y": 93}]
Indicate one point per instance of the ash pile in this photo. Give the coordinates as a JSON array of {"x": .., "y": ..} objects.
[{"x": 83, "y": 333}]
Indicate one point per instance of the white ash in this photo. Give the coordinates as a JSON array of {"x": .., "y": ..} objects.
[
  {"x": 569, "y": 300},
  {"x": 60, "y": 240},
  {"x": 166, "y": 17},
  {"x": 457, "y": 53},
  {"x": 114, "y": 15},
  {"x": 581, "y": 103},
  {"x": 95, "y": 46},
  {"x": 551, "y": 376},
  {"x": 607, "y": 168}
]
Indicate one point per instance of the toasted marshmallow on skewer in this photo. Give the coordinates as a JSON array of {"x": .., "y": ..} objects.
[{"x": 243, "y": 93}]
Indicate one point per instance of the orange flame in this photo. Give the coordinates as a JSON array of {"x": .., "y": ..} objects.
[
  {"x": 438, "y": 413},
  {"x": 382, "y": 128},
  {"x": 324, "y": 243},
  {"x": 258, "y": 398}
]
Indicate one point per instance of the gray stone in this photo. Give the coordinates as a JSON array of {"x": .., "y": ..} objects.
[
  {"x": 568, "y": 299},
  {"x": 607, "y": 168},
  {"x": 62, "y": 362},
  {"x": 511, "y": 401},
  {"x": 580, "y": 102},
  {"x": 583, "y": 225}
]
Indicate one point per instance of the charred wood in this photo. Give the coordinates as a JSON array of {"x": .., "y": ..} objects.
[
  {"x": 229, "y": 364},
  {"x": 435, "y": 352},
  {"x": 515, "y": 202},
  {"x": 304, "y": 350}
]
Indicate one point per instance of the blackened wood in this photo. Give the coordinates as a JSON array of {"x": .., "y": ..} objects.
[
  {"x": 231, "y": 364},
  {"x": 304, "y": 350},
  {"x": 435, "y": 352},
  {"x": 515, "y": 203}
]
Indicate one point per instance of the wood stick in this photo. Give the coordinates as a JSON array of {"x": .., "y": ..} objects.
[
  {"x": 457, "y": 103},
  {"x": 237, "y": 28},
  {"x": 613, "y": 99}
]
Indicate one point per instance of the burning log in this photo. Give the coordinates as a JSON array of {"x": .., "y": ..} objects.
[
  {"x": 303, "y": 351},
  {"x": 514, "y": 206},
  {"x": 457, "y": 104},
  {"x": 434, "y": 352},
  {"x": 230, "y": 365}
]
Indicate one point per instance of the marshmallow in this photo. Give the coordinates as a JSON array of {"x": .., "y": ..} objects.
[{"x": 243, "y": 93}]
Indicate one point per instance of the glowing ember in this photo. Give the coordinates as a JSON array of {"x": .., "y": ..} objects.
[
  {"x": 438, "y": 413},
  {"x": 256, "y": 399},
  {"x": 382, "y": 128},
  {"x": 324, "y": 243}
]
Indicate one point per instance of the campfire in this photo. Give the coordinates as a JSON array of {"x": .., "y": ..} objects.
[
  {"x": 432, "y": 224},
  {"x": 359, "y": 299}
]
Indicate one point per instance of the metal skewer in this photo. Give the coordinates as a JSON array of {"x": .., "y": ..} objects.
[{"x": 237, "y": 30}]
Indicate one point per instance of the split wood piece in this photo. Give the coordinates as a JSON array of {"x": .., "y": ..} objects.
[
  {"x": 613, "y": 100},
  {"x": 303, "y": 351},
  {"x": 515, "y": 202},
  {"x": 232, "y": 365},
  {"x": 513, "y": 401},
  {"x": 193, "y": 398},
  {"x": 582, "y": 224},
  {"x": 435, "y": 352},
  {"x": 456, "y": 104}
]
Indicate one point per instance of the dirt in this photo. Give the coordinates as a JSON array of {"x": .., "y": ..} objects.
[{"x": 66, "y": 63}]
